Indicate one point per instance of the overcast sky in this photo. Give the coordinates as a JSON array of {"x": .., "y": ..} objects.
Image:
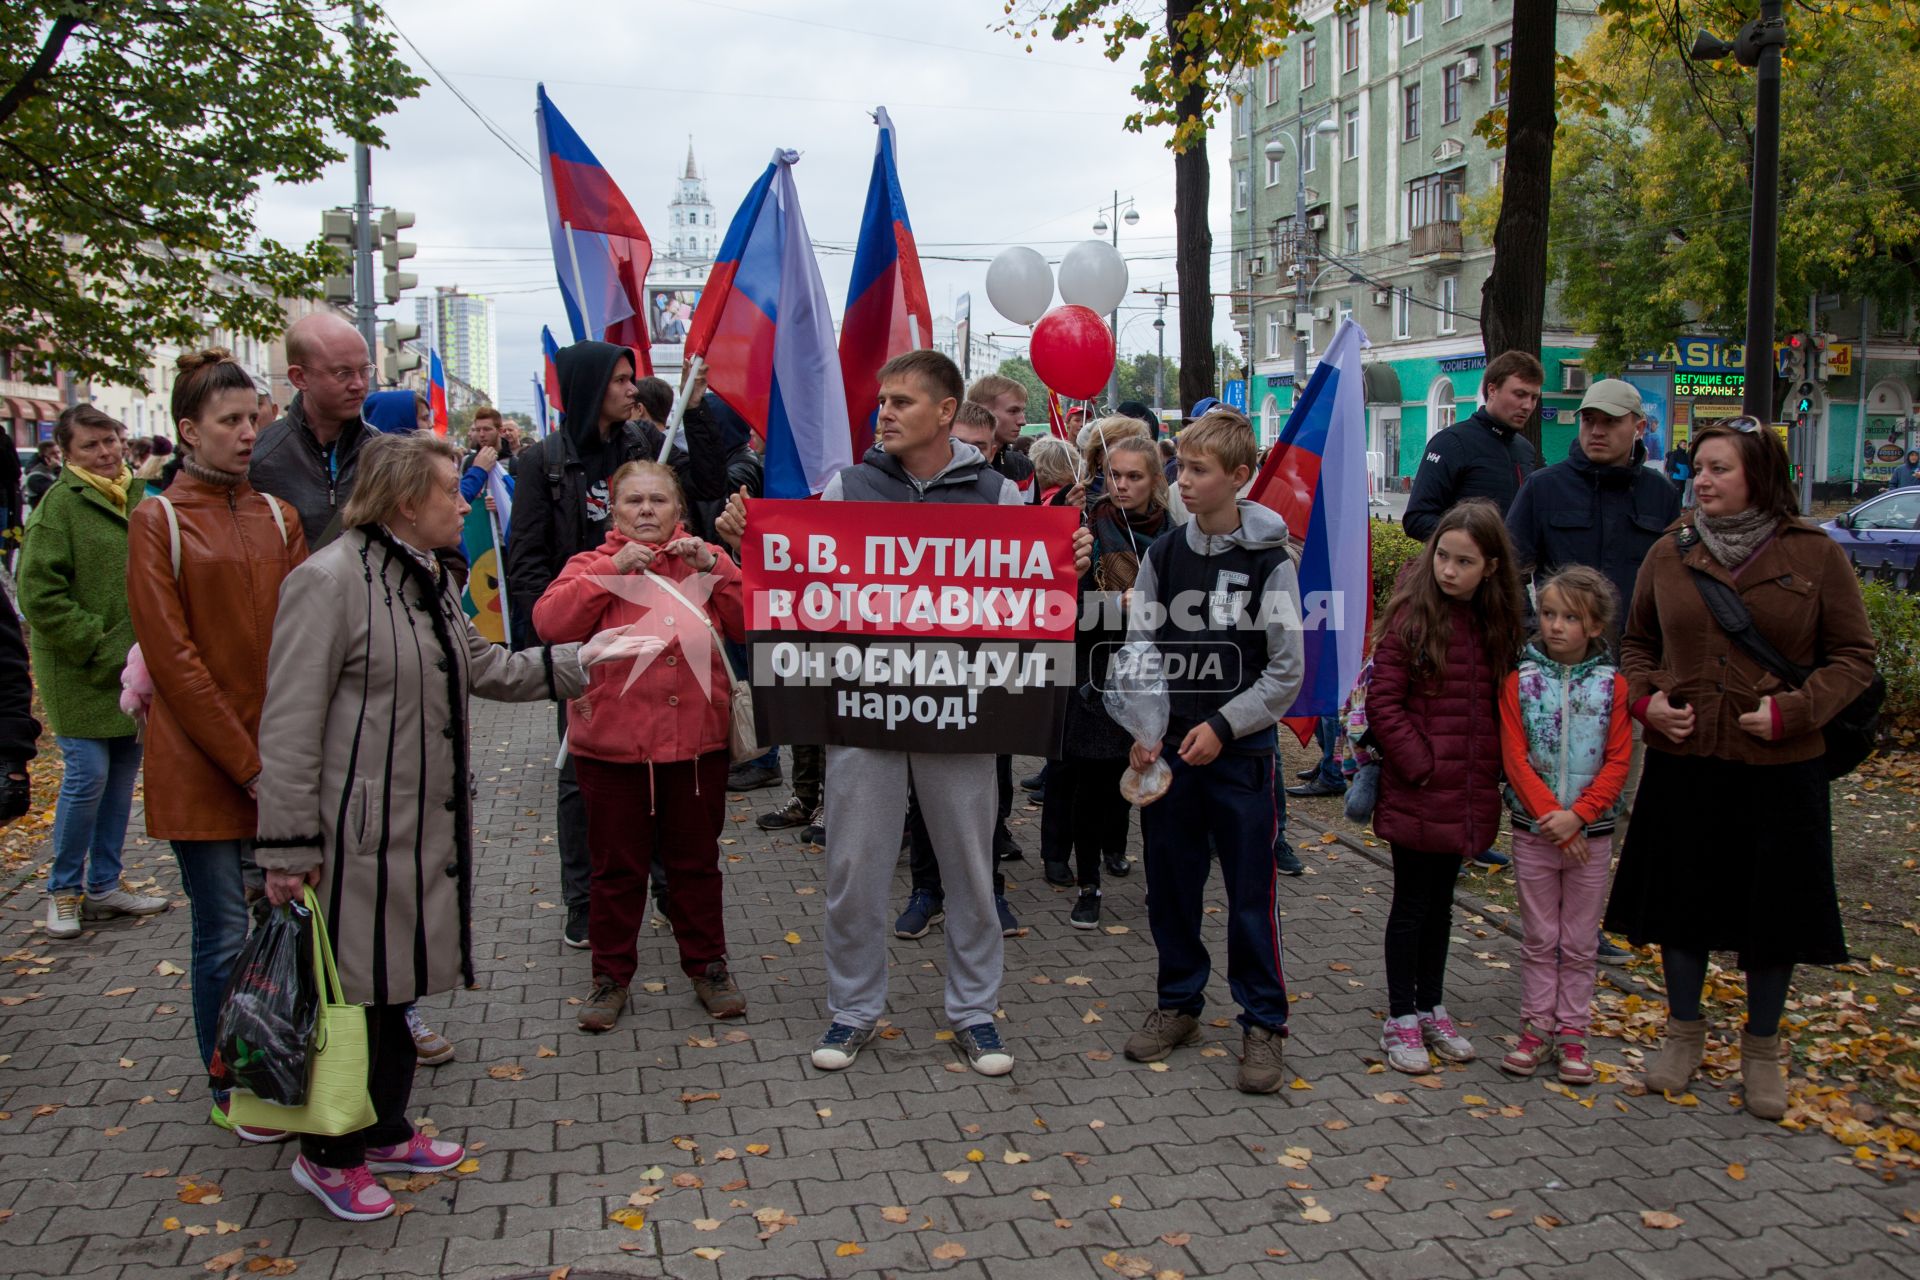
[{"x": 996, "y": 146}]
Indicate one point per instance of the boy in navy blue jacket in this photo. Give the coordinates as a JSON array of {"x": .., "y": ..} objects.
[{"x": 1224, "y": 588}]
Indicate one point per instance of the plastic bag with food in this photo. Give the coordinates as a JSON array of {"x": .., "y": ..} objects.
[{"x": 1136, "y": 698}]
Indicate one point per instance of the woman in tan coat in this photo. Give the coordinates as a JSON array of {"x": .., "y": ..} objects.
[
  {"x": 1730, "y": 847},
  {"x": 204, "y": 566},
  {"x": 365, "y": 790}
]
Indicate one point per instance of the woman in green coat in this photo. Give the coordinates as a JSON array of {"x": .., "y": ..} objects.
[{"x": 73, "y": 594}]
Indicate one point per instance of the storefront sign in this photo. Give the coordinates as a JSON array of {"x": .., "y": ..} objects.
[{"x": 1464, "y": 364}]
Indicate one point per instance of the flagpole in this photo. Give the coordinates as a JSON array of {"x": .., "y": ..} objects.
[
  {"x": 694, "y": 366},
  {"x": 579, "y": 288}
]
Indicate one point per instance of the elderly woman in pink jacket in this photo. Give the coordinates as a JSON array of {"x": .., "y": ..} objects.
[{"x": 649, "y": 737}]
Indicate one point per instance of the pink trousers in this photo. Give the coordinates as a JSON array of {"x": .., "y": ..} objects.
[{"x": 1560, "y": 907}]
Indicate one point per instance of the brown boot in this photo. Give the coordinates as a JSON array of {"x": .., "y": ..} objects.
[
  {"x": 1260, "y": 1061},
  {"x": 1681, "y": 1051},
  {"x": 1761, "y": 1081},
  {"x": 719, "y": 992},
  {"x": 603, "y": 1007}
]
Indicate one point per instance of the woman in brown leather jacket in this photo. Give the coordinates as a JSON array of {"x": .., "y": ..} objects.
[
  {"x": 204, "y": 567},
  {"x": 1731, "y": 842}
]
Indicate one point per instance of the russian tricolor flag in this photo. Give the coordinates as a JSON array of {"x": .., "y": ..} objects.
[
  {"x": 765, "y": 332},
  {"x": 600, "y": 251},
  {"x": 1316, "y": 479},
  {"x": 550, "y": 355},
  {"x": 437, "y": 391},
  {"x": 887, "y": 311}
]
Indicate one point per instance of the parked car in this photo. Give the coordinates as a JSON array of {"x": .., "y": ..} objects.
[{"x": 1882, "y": 537}]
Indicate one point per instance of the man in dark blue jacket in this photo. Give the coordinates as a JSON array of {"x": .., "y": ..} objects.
[
  {"x": 1484, "y": 456},
  {"x": 1600, "y": 507}
]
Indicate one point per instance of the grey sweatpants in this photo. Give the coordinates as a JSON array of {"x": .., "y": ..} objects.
[{"x": 866, "y": 810}]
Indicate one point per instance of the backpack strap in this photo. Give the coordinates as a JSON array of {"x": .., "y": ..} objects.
[
  {"x": 1734, "y": 618},
  {"x": 173, "y": 532},
  {"x": 279, "y": 520}
]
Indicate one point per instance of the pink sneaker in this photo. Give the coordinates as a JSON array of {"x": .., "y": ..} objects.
[
  {"x": 1572, "y": 1050},
  {"x": 1529, "y": 1055},
  {"x": 418, "y": 1154},
  {"x": 351, "y": 1194}
]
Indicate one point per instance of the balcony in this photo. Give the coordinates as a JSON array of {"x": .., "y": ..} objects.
[{"x": 1437, "y": 240}]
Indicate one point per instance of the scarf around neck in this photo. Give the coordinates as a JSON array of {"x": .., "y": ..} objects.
[
  {"x": 113, "y": 490},
  {"x": 1733, "y": 539},
  {"x": 210, "y": 475}
]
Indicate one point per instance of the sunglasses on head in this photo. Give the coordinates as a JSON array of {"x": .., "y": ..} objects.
[{"x": 1745, "y": 424}]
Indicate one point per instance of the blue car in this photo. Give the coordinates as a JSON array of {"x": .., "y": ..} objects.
[{"x": 1882, "y": 537}]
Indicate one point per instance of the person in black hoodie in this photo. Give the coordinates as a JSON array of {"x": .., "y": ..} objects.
[
  {"x": 1484, "y": 456},
  {"x": 560, "y": 509}
]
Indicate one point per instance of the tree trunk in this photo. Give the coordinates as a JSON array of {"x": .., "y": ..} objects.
[
  {"x": 1193, "y": 238},
  {"x": 1513, "y": 302}
]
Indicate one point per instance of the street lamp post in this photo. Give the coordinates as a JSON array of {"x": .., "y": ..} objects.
[
  {"x": 1160, "y": 359},
  {"x": 1302, "y": 291},
  {"x": 1132, "y": 217}
]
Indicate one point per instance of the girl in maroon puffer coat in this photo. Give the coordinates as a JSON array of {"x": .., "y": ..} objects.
[{"x": 1447, "y": 638}]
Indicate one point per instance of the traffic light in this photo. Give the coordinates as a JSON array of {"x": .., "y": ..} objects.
[
  {"x": 1792, "y": 357},
  {"x": 1803, "y": 399},
  {"x": 1817, "y": 356},
  {"x": 393, "y": 251},
  {"x": 1835, "y": 360},
  {"x": 336, "y": 230},
  {"x": 395, "y": 359}
]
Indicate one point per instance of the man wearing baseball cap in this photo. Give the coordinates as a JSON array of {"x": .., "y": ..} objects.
[{"x": 1600, "y": 507}]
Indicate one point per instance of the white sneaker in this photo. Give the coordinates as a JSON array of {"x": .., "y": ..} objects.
[
  {"x": 1400, "y": 1037},
  {"x": 63, "y": 915},
  {"x": 121, "y": 901},
  {"x": 1439, "y": 1034}
]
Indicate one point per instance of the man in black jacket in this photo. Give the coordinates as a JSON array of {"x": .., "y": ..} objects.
[
  {"x": 1600, "y": 507},
  {"x": 308, "y": 458},
  {"x": 1484, "y": 456},
  {"x": 560, "y": 509},
  {"x": 19, "y": 731}
]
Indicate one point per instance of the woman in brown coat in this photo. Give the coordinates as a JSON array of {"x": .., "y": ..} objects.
[
  {"x": 1731, "y": 842},
  {"x": 366, "y": 788},
  {"x": 204, "y": 566}
]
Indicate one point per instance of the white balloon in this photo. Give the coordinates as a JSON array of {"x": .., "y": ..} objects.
[
  {"x": 1094, "y": 275},
  {"x": 1020, "y": 285}
]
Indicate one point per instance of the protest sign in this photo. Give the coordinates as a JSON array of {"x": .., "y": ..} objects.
[{"x": 911, "y": 627}]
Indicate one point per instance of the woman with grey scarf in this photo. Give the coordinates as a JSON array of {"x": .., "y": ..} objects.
[{"x": 1730, "y": 846}]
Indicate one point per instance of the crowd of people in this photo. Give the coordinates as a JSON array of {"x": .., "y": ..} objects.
[{"x": 281, "y": 622}]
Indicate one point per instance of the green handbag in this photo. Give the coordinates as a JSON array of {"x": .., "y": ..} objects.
[{"x": 337, "y": 1099}]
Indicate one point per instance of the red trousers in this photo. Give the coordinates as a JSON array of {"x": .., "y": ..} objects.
[{"x": 634, "y": 811}]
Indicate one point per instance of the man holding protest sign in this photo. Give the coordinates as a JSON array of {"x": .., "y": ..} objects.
[{"x": 946, "y": 598}]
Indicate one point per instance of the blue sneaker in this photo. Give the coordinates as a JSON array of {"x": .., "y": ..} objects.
[
  {"x": 1008, "y": 925},
  {"x": 923, "y": 912},
  {"x": 985, "y": 1053},
  {"x": 1492, "y": 859},
  {"x": 1610, "y": 953},
  {"x": 839, "y": 1046},
  {"x": 1286, "y": 861}
]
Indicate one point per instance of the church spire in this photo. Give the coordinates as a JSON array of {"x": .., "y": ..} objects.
[{"x": 692, "y": 171}]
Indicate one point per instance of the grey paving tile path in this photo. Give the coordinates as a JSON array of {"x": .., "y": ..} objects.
[{"x": 1087, "y": 1165}]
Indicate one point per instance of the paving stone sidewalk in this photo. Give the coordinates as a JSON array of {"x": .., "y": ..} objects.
[{"x": 1087, "y": 1166}]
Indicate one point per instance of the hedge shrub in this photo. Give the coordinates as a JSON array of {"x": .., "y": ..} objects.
[{"x": 1895, "y": 616}]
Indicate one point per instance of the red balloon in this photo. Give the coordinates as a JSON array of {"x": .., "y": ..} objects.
[{"x": 1072, "y": 351}]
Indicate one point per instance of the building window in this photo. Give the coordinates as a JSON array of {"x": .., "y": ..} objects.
[
  {"x": 1410, "y": 112},
  {"x": 1273, "y": 334},
  {"x": 1451, "y": 9},
  {"x": 1350, "y": 235},
  {"x": 1242, "y": 117},
  {"x": 1351, "y": 133},
  {"x": 1275, "y": 167},
  {"x": 1309, "y": 62},
  {"x": 1435, "y": 198},
  {"x": 1273, "y": 81},
  {"x": 1350, "y": 45},
  {"x": 1402, "y": 313},
  {"x": 1449, "y": 302},
  {"x": 1450, "y": 94},
  {"x": 1343, "y": 314},
  {"x": 1410, "y": 25},
  {"x": 1502, "y": 71},
  {"x": 1310, "y": 151},
  {"x": 1240, "y": 190},
  {"x": 1499, "y": 175}
]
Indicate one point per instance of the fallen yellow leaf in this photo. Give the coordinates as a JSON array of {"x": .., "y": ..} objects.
[
  {"x": 631, "y": 1219},
  {"x": 894, "y": 1213},
  {"x": 793, "y": 939},
  {"x": 708, "y": 1252},
  {"x": 1738, "y": 1172},
  {"x": 1660, "y": 1219},
  {"x": 848, "y": 1249},
  {"x": 949, "y": 1251}
]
